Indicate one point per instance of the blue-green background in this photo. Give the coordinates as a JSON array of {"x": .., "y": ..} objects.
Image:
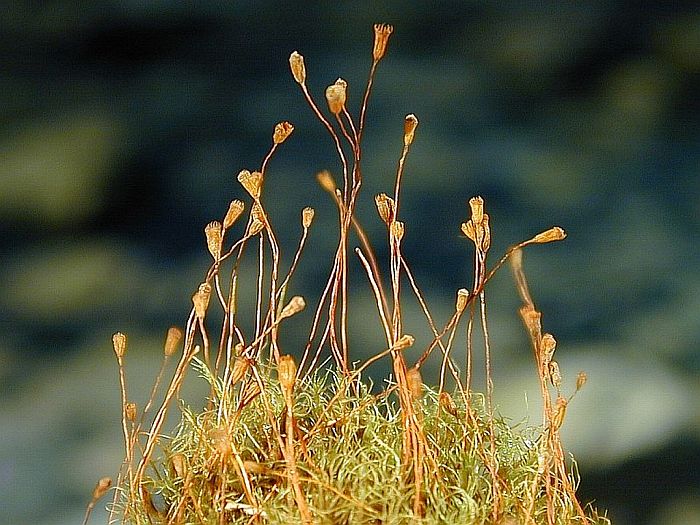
[{"x": 123, "y": 125}]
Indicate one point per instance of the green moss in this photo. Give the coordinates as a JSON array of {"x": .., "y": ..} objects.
[{"x": 351, "y": 468}]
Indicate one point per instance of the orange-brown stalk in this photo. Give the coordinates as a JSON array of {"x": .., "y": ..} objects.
[
  {"x": 287, "y": 372},
  {"x": 101, "y": 488},
  {"x": 552, "y": 463},
  {"x": 336, "y": 96},
  {"x": 478, "y": 230},
  {"x": 119, "y": 343}
]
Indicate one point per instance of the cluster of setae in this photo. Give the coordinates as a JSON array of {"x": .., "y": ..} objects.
[{"x": 280, "y": 440}]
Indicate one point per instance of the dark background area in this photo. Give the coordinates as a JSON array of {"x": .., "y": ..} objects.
[{"x": 124, "y": 125}]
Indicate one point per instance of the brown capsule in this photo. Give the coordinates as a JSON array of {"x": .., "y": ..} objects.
[
  {"x": 214, "y": 235},
  {"x": 553, "y": 234},
  {"x": 119, "y": 344},
  {"x": 397, "y": 230},
  {"x": 410, "y": 124},
  {"x": 256, "y": 212},
  {"x": 255, "y": 227},
  {"x": 532, "y": 320},
  {"x": 477, "y": 208},
  {"x": 240, "y": 368},
  {"x": 101, "y": 488},
  {"x": 235, "y": 209},
  {"x": 385, "y": 207},
  {"x": 295, "y": 305},
  {"x": 282, "y": 131},
  {"x": 248, "y": 394},
  {"x": 403, "y": 342},
  {"x": 581, "y": 379},
  {"x": 547, "y": 347},
  {"x": 415, "y": 382},
  {"x": 287, "y": 373},
  {"x": 296, "y": 64},
  {"x": 172, "y": 340},
  {"x": 469, "y": 230},
  {"x": 325, "y": 179},
  {"x": 482, "y": 236},
  {"x": 251, "y": 182},
  {"x": 131, "y": 412},
  {"x": 462, "y": 299},
  {"x": 382, "y": 32},
  {"x": 554, "y": 374},
  {"x": 307, "y": 217},
  {"x": 257, "y": 222},
  {"x": 200, "y": 300},
  {"x": 559, "y": 413},
  {"x": 447, "y": 403},
  {"x": 336, "y": 95}
]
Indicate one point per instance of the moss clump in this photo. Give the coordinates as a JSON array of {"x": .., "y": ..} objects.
[
  {"x": 350, "y": 462},
  {"x": 281, "y": 442}
]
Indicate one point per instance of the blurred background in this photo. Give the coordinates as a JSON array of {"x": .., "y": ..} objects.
[{"x": 124, "y": 125}]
